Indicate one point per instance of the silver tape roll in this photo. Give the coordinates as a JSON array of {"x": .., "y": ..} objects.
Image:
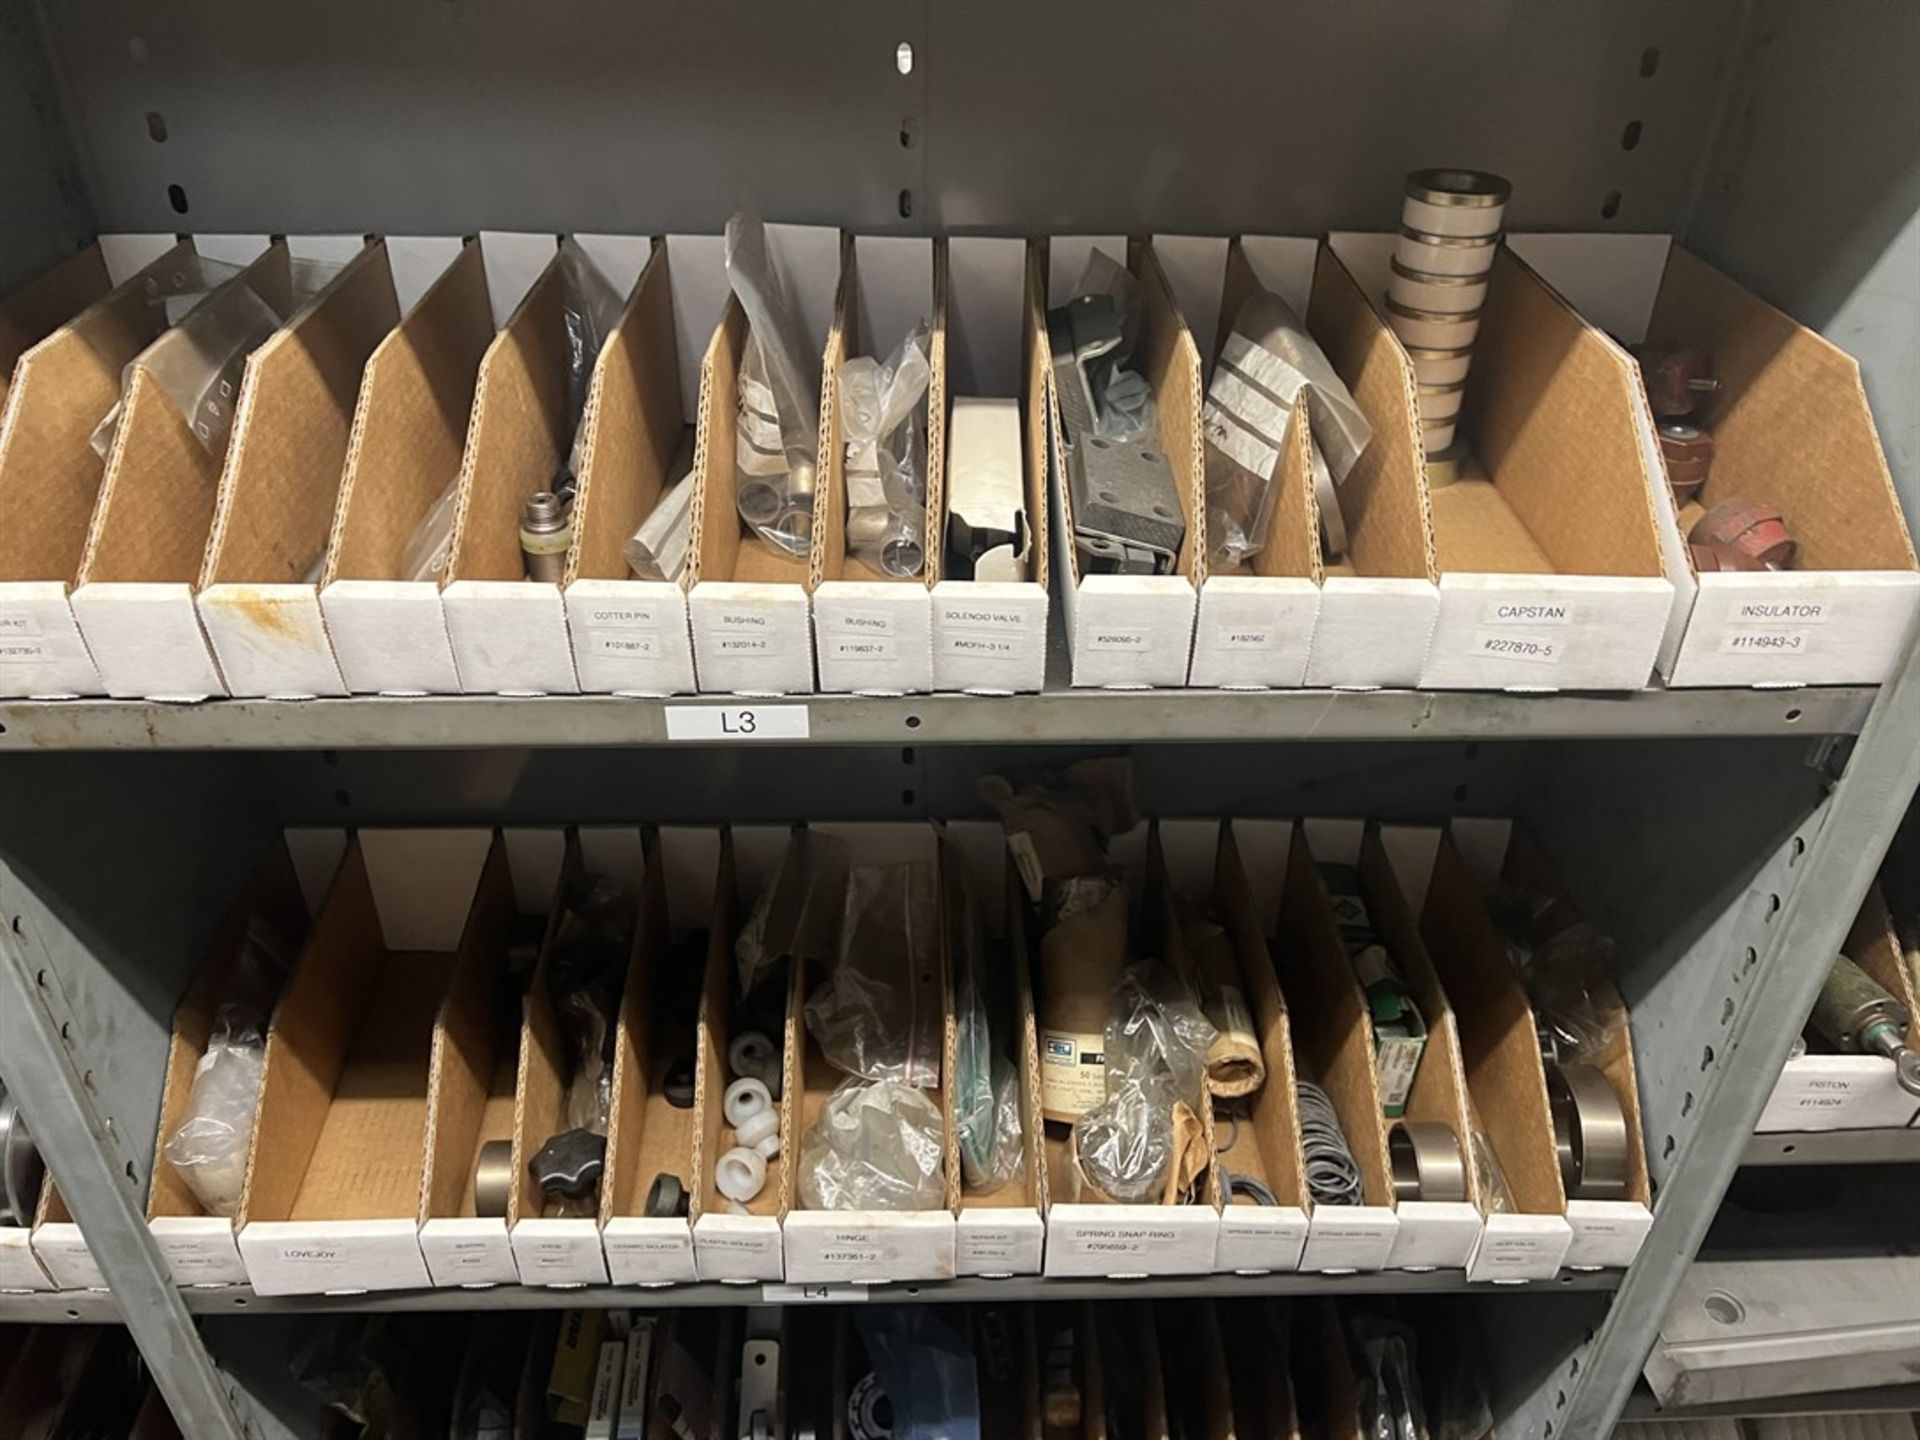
[
  {"x": 1427, "y": 1163},
  {"x": 1589, "y": 1132},
  {"x": 493, "y": 1180}
]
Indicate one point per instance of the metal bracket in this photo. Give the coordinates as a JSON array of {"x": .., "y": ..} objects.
[
  {"x": 1126, "y": 510},
  {"x": 762, "y": 1417}
]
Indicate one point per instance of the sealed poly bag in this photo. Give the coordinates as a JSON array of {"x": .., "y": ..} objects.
[
  {"x": 926, "y": 1369},
  {"x": 877, "y": 1014},
  {"x": 210, "y": 1148},
  {"x": 589, "y": 308},
  {"x": 797, "y": 915},
  {"x": 886, "y": 455},
  {"x": 425, "y": 557},
  {"x": 876, "y": 1146},
  {"x": 1267, "y": 364},
  {"x": 986, "y": 1086},
  {"x": 1124, "y": 409},
  {"x": 1137, "y": 1146},
  {"x": 777, "y": 437}
]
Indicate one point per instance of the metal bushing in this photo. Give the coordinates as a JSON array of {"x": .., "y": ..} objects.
[
  {"x": 678, "y": 1084},
  {"x": 1749, "y": 527},
  {"x": 21, "y": 1169},
  {"x": 1427, "y": 1163},
  {"x": 666, "y": 1198},
  {"x": 493, "y": 1180},
  {"x": 1443, "y": 466},
  {"x": 1589, "y": 1132},
  {"x": 1688, "y": 453}
]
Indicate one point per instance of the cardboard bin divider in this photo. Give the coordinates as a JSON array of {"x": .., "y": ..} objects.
[
  {"x": 1333, "y": 1048},
  {"x": 1506, "y": 1083},
  {"x": 648, "y": 1134}
]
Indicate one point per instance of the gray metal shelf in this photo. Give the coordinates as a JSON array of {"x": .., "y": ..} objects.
[
  {"x": 96, "y": 1306},
  {"x": 1835, "y": 1147},
  {"x": 1058, "y": 716}
]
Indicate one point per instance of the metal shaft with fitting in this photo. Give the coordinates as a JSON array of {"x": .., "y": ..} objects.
[
  {"x": 1855, "y": 1014},
  {"x": 546, "y": 531}
]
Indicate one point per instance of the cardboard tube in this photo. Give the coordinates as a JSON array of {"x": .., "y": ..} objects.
[
  {"x": 1081, "y": 962},
  {"x": 1235, "y": 1066}
]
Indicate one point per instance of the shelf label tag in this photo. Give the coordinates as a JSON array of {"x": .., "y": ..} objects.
[
  {"x": 737, "y": 722},
  {"x": 812, "y": 1294}
]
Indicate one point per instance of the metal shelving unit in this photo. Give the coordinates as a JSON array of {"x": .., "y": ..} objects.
[{"x": 1722, "y": 837}]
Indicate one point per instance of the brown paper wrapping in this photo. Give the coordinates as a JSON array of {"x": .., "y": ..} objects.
[{"x": 1235, "y": 1066}]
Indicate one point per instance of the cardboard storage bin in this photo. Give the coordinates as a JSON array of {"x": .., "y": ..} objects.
[
  {"x": 630, "y": 636},
  {"x": 147, "y": 541},
  {"x": 1326, "y": 1392},
  {"x": 990, "y": 627},
  {"x": 388, "y": 629},
  {"x": 1433, "y": 1234},
  {"x": 873, "y": 632},
  {"x": 341, "y": 1169},
  {"x": 564, "y": 1249},
  {"x": 1791, "y": 428},
  {"x": 43, "y": 304},
  {"x": 1261, "y": 1132},
  {"x": 1548, "y": 563},
  {"x": 1193, "y": 1363},
  {"x": 258, "y": 592},
  {"x": 1852, "y": 1092},
  {"x": 1254, "y": 628},
  {"x": 749, "y": 601},
  {"x": 1333, "y": 1048},
  {"x": 60, "y": 1247},
  {"x": 65, "y": 370},
  {"x": 1254, "y": 1346},
  {"x": 269, "y": 920},
  {"x": 509, "y": 632},
  {"x": 21, "y": 1270},
  {"x": 730, "y": 1247},
  {"x": 998, "y": 1230},
  {"x": 868, "y": 1246},
  {"x": 1131, "y": 1369},
  {"x": 476, "y": 1063},
  {"x": 1506, "y": 1082},
  {"x": 651, "y": 1136},
  {"x": 1378, "y": 602},
  {"x": 1131, "y": 632},
  {"x": 1088, "y": 1234},
  {"x": 1605, "y": 1232}
]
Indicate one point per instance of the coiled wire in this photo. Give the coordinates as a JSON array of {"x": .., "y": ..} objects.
[{"x": 1333, "y": 1175}]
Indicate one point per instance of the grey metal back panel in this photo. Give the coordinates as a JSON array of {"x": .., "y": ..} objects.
[
  {"x": 45, "y": 217},
  {"x": 614, "y": 115}
]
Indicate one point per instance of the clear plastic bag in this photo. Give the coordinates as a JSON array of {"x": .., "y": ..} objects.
[
  {"x": 885, "y": 461},
  {"x": 797, "y": 915},
  {"x": 1390, "y": 1404},
  {"x": 1124, "y": 409},
  {"x": 877, "y": 1014},
  {"x": 1564, "y": 963},
  {"x": 876, "y": 1146},
  {"x": 777, "y": 436},
  {"x": 585, "y": 974},
  {"x": 1130, "y": 1145},
  {"x": 425, "y": 557},
  {"x": 927, "y": 1371},
  {"x": 590, "y": 308},
  {"x": 657, "y": 549},
  {"x": 1266, "y": 364},
  {"x": 986, "y": 1086},
  {"x": 209, "y": 1147}
]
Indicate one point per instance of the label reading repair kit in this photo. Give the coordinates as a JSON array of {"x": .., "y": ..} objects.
[{"x": 737, "y": 722}]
